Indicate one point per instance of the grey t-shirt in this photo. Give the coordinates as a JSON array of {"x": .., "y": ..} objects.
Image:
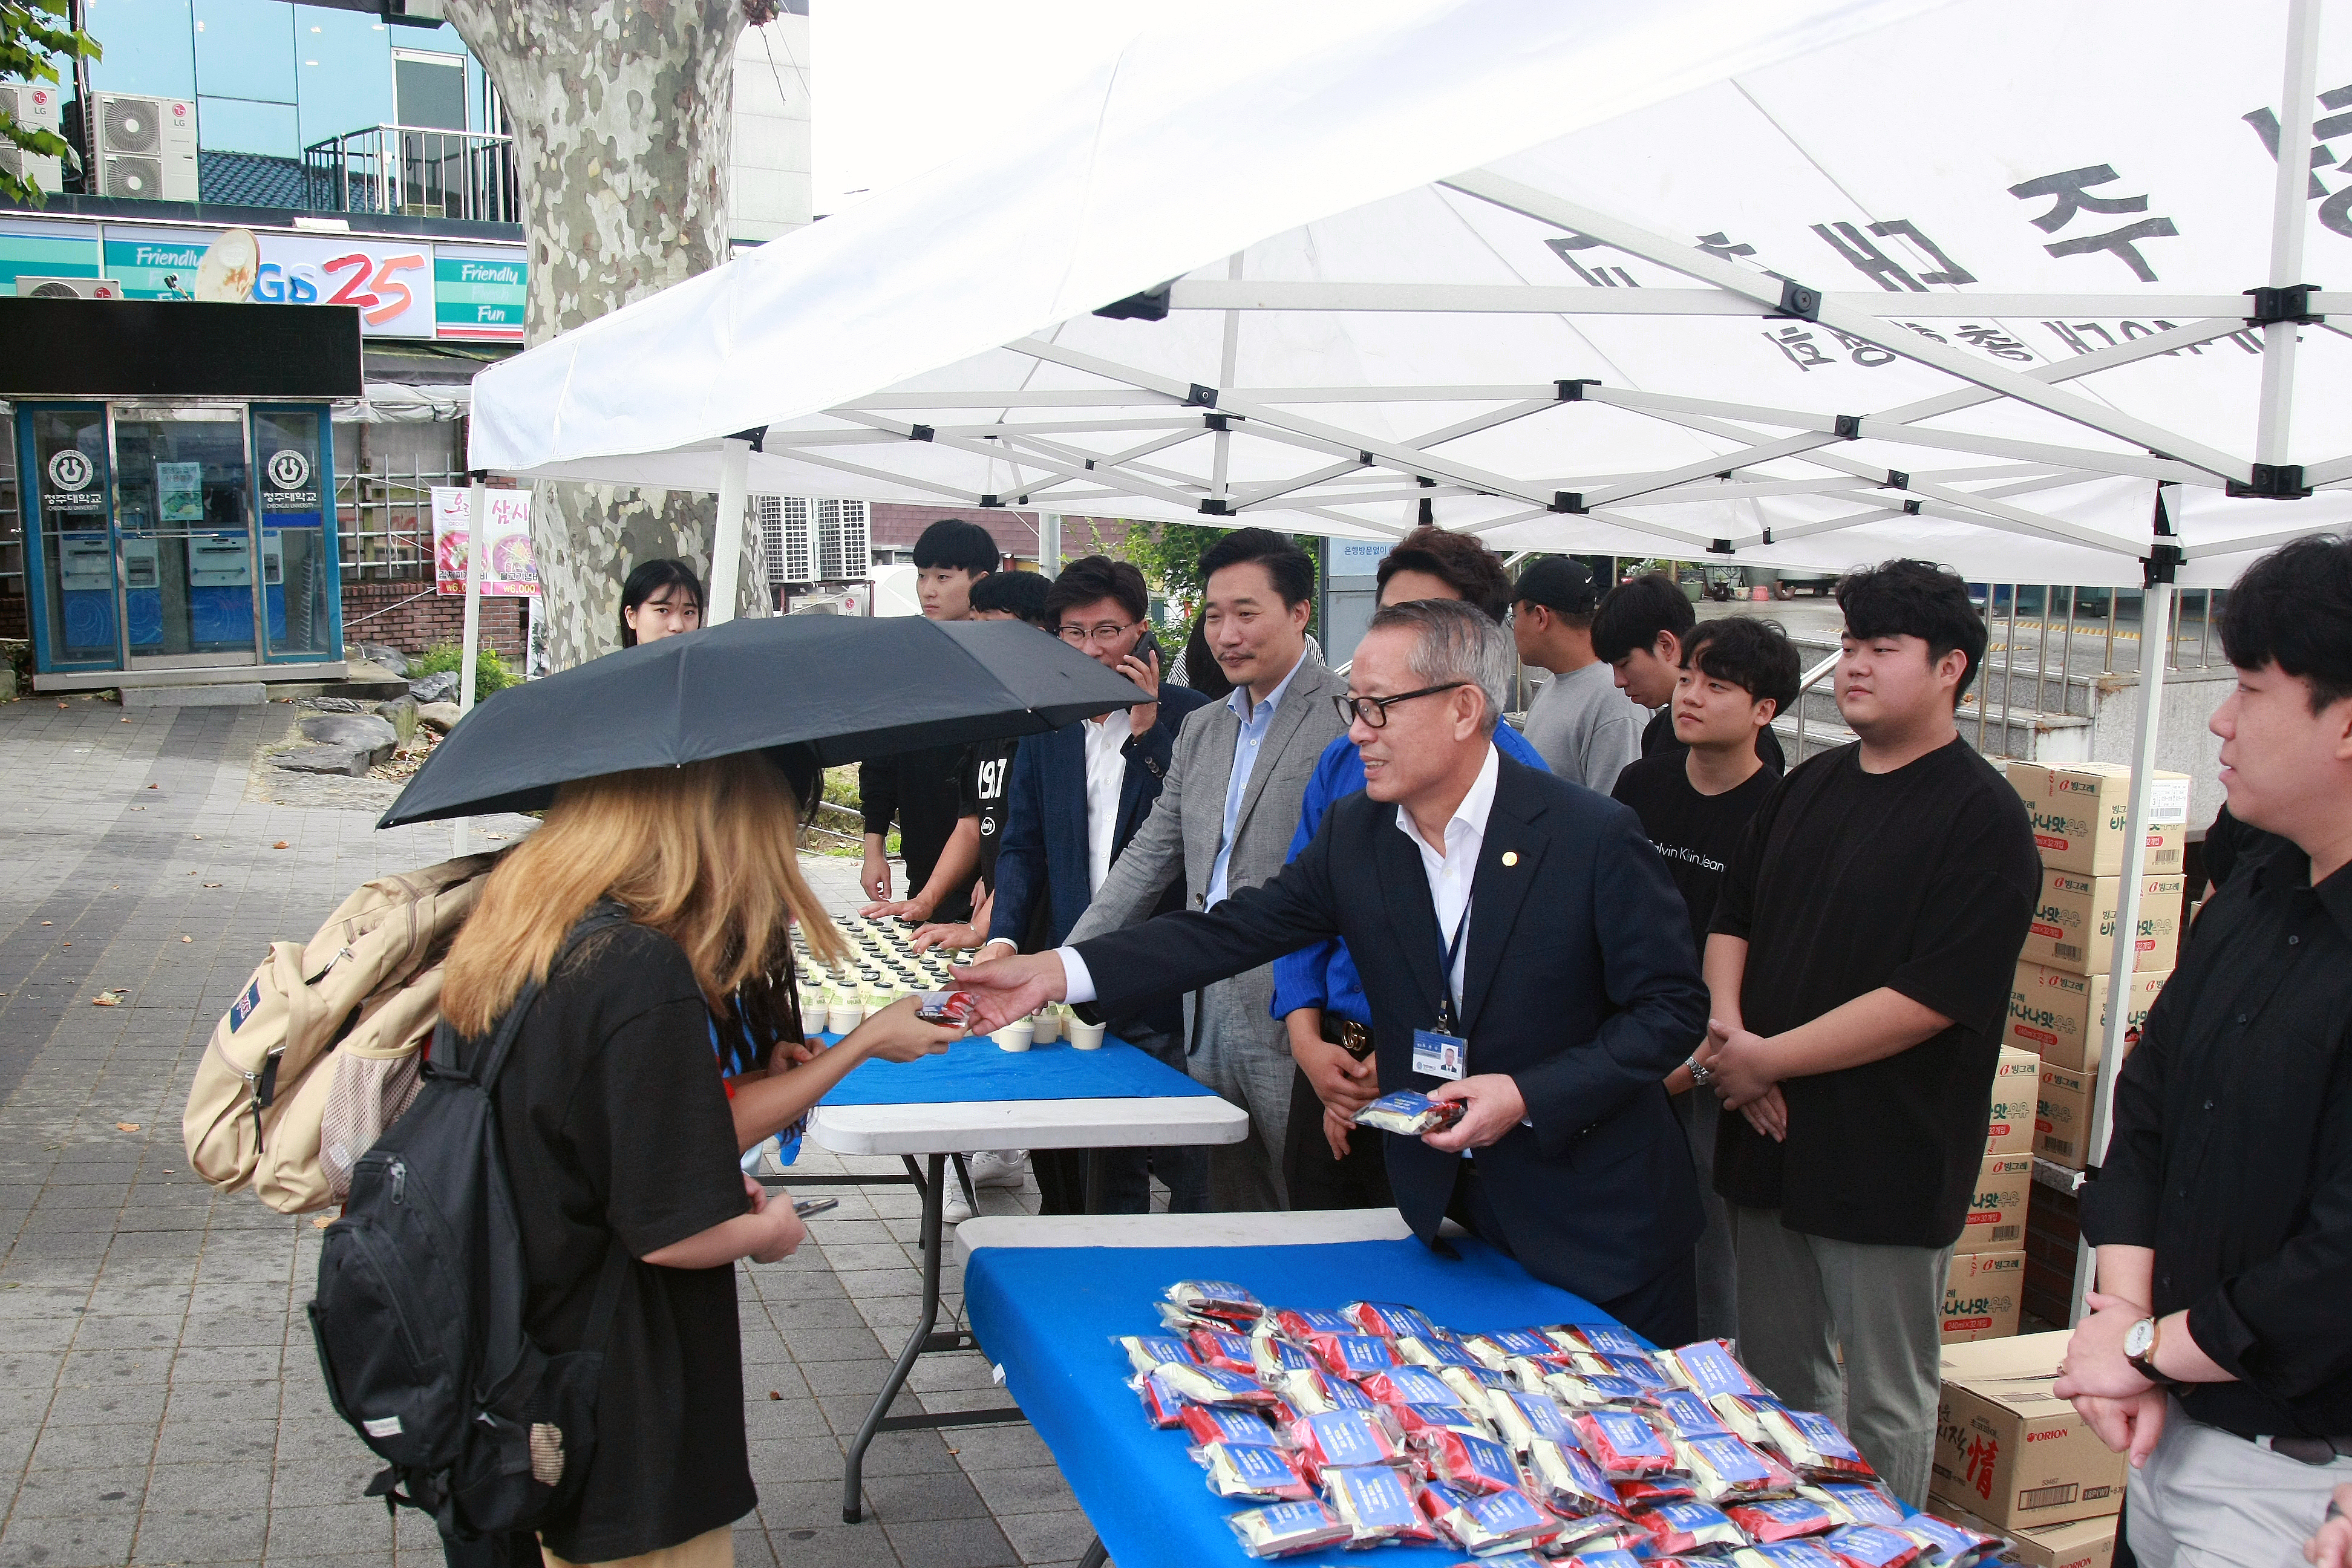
[{"x": 1586, "y": 728}]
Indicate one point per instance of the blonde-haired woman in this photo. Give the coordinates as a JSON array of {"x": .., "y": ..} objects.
[{"x": 616, "y": 1124}]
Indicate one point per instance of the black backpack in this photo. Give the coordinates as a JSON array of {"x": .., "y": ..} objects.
[{"x": 419, "y": 1315}]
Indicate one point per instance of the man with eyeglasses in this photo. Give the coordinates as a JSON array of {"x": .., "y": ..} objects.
[
  {"x": 1075, "y": 800},
  {"x": 1526, "y": 955}
]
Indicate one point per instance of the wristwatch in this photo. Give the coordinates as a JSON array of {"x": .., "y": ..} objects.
[
  {"x": 2139, "y": 1349},
  {"x": 1701, "y": 1074}
]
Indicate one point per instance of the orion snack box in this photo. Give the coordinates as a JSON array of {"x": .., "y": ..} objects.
[
  {"x": 2074, "y": 925},
  {"x": 2007, "y": 1449},
  {"x": 1996, "y": 1220},
  {"x": 2062, "y": 1118},
  {"x": 2061, "y": 1016},
  {"x": 2081, "y": 816},
  {"x": 2009, "y": 1122},
  {"x": 1984, "y": 1295}
]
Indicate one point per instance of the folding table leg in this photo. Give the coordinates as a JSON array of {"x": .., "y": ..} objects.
[{"x": 852, "y": 1475}]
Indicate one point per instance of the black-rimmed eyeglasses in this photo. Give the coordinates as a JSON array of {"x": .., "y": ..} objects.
[{"x": 1374, "y": 710}]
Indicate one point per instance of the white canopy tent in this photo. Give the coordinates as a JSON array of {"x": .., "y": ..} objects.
[{"x": 1774, "y": 281}]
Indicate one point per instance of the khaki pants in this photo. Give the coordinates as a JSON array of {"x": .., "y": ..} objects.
[
  {"x": 1804, "y": 1298},
  {"x": 711, "y": 1549},
  {"x": 2207, "y": 1499}
]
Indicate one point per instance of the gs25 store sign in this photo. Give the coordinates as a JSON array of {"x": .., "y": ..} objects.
[{"x": 389, "y": 282}]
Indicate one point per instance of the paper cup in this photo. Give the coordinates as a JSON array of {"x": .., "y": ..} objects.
[
  {"x": 1014, "y": 1036},
  {"x": 1049, "y": 1027},
  {"x": 1085, "y": 1037},
  {"x": 845, "y": 1016}
]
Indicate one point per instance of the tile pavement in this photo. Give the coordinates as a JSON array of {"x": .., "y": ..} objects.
[{"x": 159, "y": 1398}]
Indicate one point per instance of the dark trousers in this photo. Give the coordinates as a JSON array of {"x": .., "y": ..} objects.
[
  {"x": 1119, "y": 1180},
  {"x": 1061, "y": 1180},
  {"x": 1662, "y": 1310},
  {"x": 1317, "y": 1180}
]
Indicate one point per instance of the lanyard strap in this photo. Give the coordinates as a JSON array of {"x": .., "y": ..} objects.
[{"x": 1447, "y": 1015}]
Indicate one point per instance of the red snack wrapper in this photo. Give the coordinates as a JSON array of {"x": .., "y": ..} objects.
[
  {"x": 1352, "y": 1356},
  {"x": 1408, "y": 1385},
  {"x": 1294, "y": 1324},
  {"x": 1270, "y": 1355},
  {"x": 1342, "y": 1439},
  {"x": 1467, "y": 1463},
  {"x": 1623, "y": 1445},
  {"x": 1215, "y": 1347},
  {"x": 1389, "y": 1320},
  {"x": 1679, "y": 1527},
  {"x": 1211, "y": 1385},
  {"x": 1568, "y": 1482},
  {"x": 1217, "y": 1299},
  {"x": 1782, "y": 1518},
  {"x": 1484, "y": 1522},
  {"x": 1209, "y": 1424},
  {"x": 1655, "y": 1489}
]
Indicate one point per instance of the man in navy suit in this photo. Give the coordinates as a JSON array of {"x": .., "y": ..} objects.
[
  {"x": 1078, "y": 797},
  {"x": 1521, "y": 919}
]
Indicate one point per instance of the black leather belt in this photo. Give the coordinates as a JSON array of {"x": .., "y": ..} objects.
[{"x": 1348, "y": 1034}]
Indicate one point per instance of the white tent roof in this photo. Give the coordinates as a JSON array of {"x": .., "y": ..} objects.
[{"x": 2014, "y": 236}]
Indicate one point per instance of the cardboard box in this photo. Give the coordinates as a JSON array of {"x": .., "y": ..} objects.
[
  {"x": 2085, "y": 1543},
  {"x": 2007, "y": 1448},
  {"x": 2062, "y": 1016},
  {"x": 1984, "y": 1294},
  {"x": 2081, "y": 815},
  {"x": 2009, "y": 1125},
  {"x": 1996, "y": 1221},
  {"x": 2073, "y": 924},
  {"x": 2062, "y": 1116}
]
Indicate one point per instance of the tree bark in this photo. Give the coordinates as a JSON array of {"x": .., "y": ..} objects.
[{"x": 623, "y": 115}]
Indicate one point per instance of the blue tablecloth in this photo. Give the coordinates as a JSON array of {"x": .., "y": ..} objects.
[
  {"x": 1047, "y": 1315},
  {"x": 975, "y": 1069}
]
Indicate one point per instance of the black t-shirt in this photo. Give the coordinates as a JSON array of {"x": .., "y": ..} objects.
[
  {"x": 1659, "y": 740},
  {"x": 613, "y": 1121},
  {"x": 1922, "y": 880},
  {"x": 986, "y": 784},
  {"x": 924, "y": 790},
  {"x": 1697, "y": 833}
]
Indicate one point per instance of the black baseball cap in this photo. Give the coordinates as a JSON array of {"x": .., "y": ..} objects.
[{"x": 1558, "y": 583}]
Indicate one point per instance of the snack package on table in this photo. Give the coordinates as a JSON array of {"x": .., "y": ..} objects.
[
  {"x": 1259, "y": 1474},
  {"x": 1946, "y": 1544},
  {"x": 1492, "y": 1521},
  {"x": 1497, "y": 1350},
  {"x": 1743, "y": 1415},
  {"x": 1707, "y": 1368},
  {"x": 1679, "y": 1527},
  {"x": 1785, "y": 1554},
  {"x": 1684, "y": 1414},
  {"x": 1215, "y": 1347},
  {"x": 1374, "y": 1504},
  {"x": 1295, "y": 1325},
  {"x": 1343, "y": 1438},
  {"x": 1812, "y": 1445},
  {"x": 1623, "y": 1444},
  {"x": 1390, "y": 1320},
  {"x": 1599, "y": 1339},
  {"x": 1286, "y": 1529},
  {"x": 1467, "y": 1463},
  {"x": 1416, "y": 1351},
  {"x": 1591, "y": 1540},
  {"x": 1871, "y": 1546},
  {"x": 1352, "y": 1356},
  {"x": 1638, "y": 1369},
  {"x": 1568, "y": 1482},
  {"x": 1408, "y": 1385},
  {"x": 1217, "y": 1299},
  {"x": 1412, "y": 1419},
  {"x": 1856, "y": 1502},
  {"x": 1210, "y": 1385},
  {"x": 1162, "y": 1406},
  {"x": 1783, "y": 1519},
  {"x": 1649, "y": 1491},
  {"x": 1305, "y": 1389},
  {"x": 1581, "y": 1393},
  {"x": 1724, "y": 1468},
  {"x": 1410, "y": 1113},
  {"x": 1229, "y": 1424},
  {"x": 1145, "y": 1352},
  {"x": 1475, "y": 1387},
  {"x": 1270, "y": 1356},
  {"x": 1521, "y": 1418}
]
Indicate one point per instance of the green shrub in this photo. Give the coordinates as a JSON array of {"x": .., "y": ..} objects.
[{"x": 490, "y": 672}]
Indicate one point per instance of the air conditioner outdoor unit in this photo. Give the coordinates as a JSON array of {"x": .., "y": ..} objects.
[
  {"x": 67, "y": 288},
  {"x": 144, "y": 148},
  {"x": 844, "y": 552},
  {"x": 35, "y": 106},
  {"x": 784, "y": 538}
]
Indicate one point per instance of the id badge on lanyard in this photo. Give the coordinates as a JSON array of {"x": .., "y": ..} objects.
[{"x": 1440, "y": 1052}]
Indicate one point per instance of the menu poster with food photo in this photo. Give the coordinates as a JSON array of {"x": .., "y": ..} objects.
[{"x": 507, "y": 570}]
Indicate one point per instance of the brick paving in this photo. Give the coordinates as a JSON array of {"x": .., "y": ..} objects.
[{"x": 160, "y": 1402}]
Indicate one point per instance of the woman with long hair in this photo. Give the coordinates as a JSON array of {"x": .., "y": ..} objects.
[
  {"x": 617, "y": 1127},
  {"x": 660, "y": 599}
]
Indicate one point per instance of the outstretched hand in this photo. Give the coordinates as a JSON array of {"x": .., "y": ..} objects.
[{"x": 1011, "y": 987}]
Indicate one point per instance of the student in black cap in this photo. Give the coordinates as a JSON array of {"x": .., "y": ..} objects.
[{"x": 1586, "y": 728}]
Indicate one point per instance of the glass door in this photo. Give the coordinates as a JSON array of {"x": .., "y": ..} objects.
[
  {"x": 301, "y": 605},
  {"x": 183, "y": 506},
  {"x": 76, "y": 619}
]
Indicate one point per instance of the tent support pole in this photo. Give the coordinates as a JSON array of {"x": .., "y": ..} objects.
[
  {"x": 2155, "y": 653},
  {"x": 727, "y": 532},
  {"x": 478, "y": 527},
  {"x": 2274, "y": 421}
]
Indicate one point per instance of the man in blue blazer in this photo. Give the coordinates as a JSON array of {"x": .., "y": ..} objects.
[
  {"x": 1078, "y": 797},
  {"x": 1531, "y": 914}
]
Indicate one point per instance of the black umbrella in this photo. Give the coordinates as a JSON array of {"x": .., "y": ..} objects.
[{"x": 839, "y": 688}]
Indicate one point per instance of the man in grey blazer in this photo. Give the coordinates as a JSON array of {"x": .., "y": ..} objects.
[{"x": 1226, "y": 813}]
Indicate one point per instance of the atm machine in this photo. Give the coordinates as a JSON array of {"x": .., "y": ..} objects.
[
  {"x": 273, "y": 583},
  {"x": 142, "y": 592},
  {"x": 220, "y": 589},
  {"x": 86, "y": 584}
]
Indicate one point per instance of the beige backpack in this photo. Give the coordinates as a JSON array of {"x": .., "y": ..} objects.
[{"x": 321, "y": 1050}]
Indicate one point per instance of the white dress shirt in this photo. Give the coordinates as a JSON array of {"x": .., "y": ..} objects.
[
  {"x": 1256, "y": 719},
  {"x": 1449, "y": 875},
  {"x": 1107, "y": 740}
]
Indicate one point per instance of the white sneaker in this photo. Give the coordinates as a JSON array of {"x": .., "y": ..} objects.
[
  {"x": 953, "y": 1210},
  {"x": 998, "y": 1167}
]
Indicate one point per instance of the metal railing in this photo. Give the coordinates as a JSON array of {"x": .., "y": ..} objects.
[
  {"x": 419, "y": 170},
  {"x": 383, "y": 522}
]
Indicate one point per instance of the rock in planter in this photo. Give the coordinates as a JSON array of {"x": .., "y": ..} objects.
[
  {"x": 401, "y": 714},
  {"x": 438, "y": 717},
  {"x": 325, "y": 759},
  {"x": 441, "y": 688},
  {"x": 363, "y": 732},
  {"x": 392, "y": 659}
]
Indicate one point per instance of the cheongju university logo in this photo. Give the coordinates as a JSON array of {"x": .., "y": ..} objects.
[
  {"x": 70, "y": 470},
  {"x": 288, "y": 470}
]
